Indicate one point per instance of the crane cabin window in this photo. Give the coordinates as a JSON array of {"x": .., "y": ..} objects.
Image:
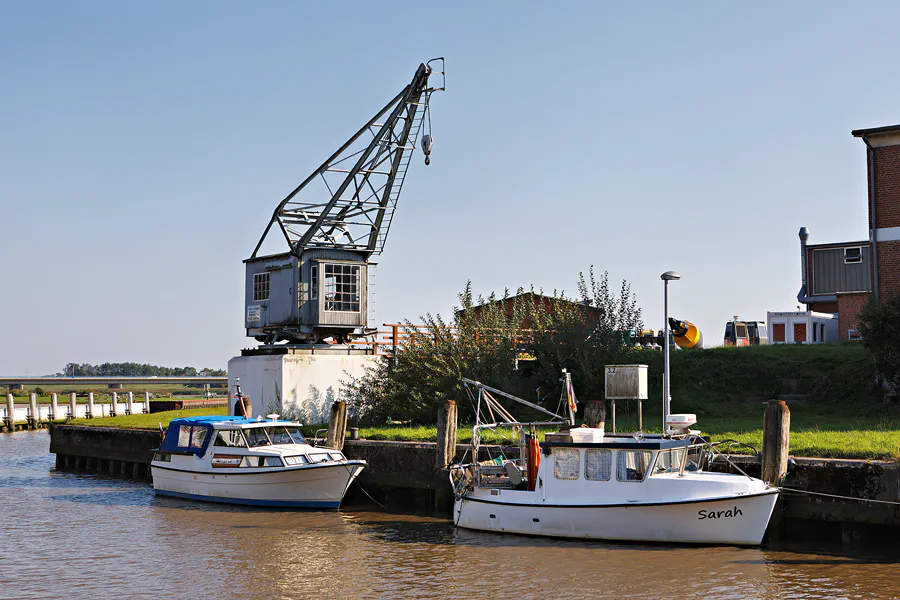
[
  {"x": 314, "y": 282},
  {"x": 341, "y": 287},
  {"x": 260, "y": 287}
]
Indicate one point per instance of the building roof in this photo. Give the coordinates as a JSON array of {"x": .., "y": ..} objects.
[{"x": 875, "y": 130}]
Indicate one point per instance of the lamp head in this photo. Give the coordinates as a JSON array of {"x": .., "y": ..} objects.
[{"x": 670, "y": 276}]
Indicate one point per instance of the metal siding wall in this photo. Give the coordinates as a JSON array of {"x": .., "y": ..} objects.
[{"x": 830, "y": 274}]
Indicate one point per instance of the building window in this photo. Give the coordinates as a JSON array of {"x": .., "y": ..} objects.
[
  {"x": 260, "y": 287},
  {"x": 597, "y": 464},
  {"x": 566, "y": 463},
  {"x": 852, "y": 255},
  {"x": 341, "y": 287},
  {"x": 314, "y": 282}
]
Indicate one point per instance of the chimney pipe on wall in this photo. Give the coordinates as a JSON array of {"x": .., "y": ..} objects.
[{"x": 804, "y": 236}]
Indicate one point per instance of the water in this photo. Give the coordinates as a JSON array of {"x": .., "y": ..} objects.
[{"x": 80, "y": 536}]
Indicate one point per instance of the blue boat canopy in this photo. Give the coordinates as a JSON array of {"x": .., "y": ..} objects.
[{"x": 193, "y": 434}]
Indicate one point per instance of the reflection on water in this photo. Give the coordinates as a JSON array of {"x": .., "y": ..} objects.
[{"x": 80, "y": 536}]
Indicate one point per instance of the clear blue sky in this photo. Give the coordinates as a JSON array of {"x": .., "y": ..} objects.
[{"x": 143, "y": 147}]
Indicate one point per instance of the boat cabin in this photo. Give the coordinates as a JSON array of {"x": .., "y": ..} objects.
[{"x": 235, "y": 442}]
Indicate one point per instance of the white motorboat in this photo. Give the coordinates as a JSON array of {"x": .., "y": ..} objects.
[
  {"x": 240, "y": 461},
  {"x": 582, "y": 483}
]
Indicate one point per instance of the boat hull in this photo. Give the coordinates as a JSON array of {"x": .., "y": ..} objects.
[
  {"x": 739, "y": 520},
  {"x": 307, "y": 487}
]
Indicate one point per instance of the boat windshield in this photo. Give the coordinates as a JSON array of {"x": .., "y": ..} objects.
[
  {"x": 286, "y": 435},
  {"x": 257, "y": 437}
]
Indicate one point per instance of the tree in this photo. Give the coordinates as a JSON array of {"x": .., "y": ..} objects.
[
  {"x": 879, "y": 324},
  {"x": 488, "y": 343}
]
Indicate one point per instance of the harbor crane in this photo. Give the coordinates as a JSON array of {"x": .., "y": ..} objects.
[{"x": 334, "y": 222}]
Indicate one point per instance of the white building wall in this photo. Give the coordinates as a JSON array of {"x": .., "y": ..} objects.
[{"x": 303, "y": 386}]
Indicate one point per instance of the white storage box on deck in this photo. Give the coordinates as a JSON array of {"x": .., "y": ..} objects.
[{"x": 586, "y": 435}]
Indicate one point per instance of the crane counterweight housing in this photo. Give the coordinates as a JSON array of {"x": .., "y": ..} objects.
[{"x": 334, "y": 223}]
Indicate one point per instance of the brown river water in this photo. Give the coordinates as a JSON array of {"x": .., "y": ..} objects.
[{"x": 80, "y": 536}]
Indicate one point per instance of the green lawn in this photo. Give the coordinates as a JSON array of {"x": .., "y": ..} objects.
[
  {"x": 815, "y": 431},
  {"x": 150, "y": 421}
]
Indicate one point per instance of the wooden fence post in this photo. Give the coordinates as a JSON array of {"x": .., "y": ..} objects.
[
  {"x": 33, "y": 409},
  {"x": 776, "y": 440},
  {"x": 129, "y": 404},
  {"x": 54, "y": 407},
  {"x": 11, "y": 412},
  {"x": 73, "y": 406},
  {"x": 90, "y": 406},
  {"x": 115, "y": 400},
  {"x": 446, "y": 435},
  {"x": 146, "y": 403},
  {"x": 337, "y": 426}
]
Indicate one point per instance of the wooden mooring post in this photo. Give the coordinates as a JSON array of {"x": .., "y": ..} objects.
[
  {"x": 10, "y": 413},
  {"x": 337, "y": 426},
  {"x": 129, "y": 404},
  {"x": 446, "y": 435},
  {"x": 90, "y": 406},
  {"x": 776, "y": 443},
  {"x": 146, "y": 403},
  {"x": 73, "y": 405},
  {"x": 33, "y": 417},
  {"x": 54, "y": 407}
]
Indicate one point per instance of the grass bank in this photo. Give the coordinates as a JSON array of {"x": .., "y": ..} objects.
[{"x": 150, "y": 421}]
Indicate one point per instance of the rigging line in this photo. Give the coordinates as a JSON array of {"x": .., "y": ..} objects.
[
  {"x": 797, "y": 491},
  {"x": 350, "y": 472}
]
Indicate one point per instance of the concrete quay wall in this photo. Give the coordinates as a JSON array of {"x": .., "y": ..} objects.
[{"x": 404, "y": 475}]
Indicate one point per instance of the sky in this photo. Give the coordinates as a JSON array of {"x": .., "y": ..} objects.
[{"x": 144, "y": 146}]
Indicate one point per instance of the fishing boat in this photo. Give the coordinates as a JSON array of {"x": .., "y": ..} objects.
[
  {"x": 254, "y": 462},
  {"x": 583, "y": 483}
]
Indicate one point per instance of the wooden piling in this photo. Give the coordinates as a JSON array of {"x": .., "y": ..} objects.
[
  {"x": 446, "y": 435},
  {"x": 34, "y": 418},
  {"x": 73, "y": 405},
  {"x": 337, "y": 426},
  {"x": 10, "y": 413},
  {"x": 90, "y": 406},
  {"x": 776, "y": 442},
  {"x": 776, "y": 439},
  {"x": 146, "y": 403},
  {"x": 54, "y": 407},
  {"x": 113, "y": 411},
  {"x": 129, "y": 404}
]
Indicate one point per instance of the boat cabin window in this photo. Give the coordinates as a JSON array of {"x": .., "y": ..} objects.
[
  {"x": 336, "y": 456},
  {"x": 270, "y": 461},
  {"x": 694, "y": 459},
  {"x": 632, "y": 465},
  {"x": 296, "y": 460},
  {"x": 319, "y": 457},
  {"x": 597, "y": 464},
  {"x": 566, "y": 463},
  {"x": 257, "y": 437},
  {"x": 191, "y": 437},
  {"x": 286, "y": 435},
  {"x": 668, "y": 461},
  {"x": 230, "y": 439}
]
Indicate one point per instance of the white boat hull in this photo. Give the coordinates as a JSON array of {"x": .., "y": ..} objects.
[
  {"x": 740, "y": 520},
  {"x": 312, "y": 486}
]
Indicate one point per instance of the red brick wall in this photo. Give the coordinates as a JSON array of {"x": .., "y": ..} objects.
[
  {"x": 888, "y": 268},
  {"x": 823, "y": 307},
  {"x": 848, "y": 309},
  {"x": 887, "y": 187}
]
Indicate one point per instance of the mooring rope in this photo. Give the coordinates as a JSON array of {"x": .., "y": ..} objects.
[{"x": 797, "y": 491}]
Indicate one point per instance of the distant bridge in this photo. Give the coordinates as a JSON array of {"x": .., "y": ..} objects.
[{"x": 110, "y": 381}]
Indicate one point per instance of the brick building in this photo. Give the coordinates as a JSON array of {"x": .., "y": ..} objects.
[{"x": 840, "y": 277}]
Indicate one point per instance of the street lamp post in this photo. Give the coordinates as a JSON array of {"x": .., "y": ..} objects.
[{"x": 667, "y": 396}]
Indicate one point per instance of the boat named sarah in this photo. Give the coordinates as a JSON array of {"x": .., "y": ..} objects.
[
  {"x": 240, "y": 461},
  {"x": 582, "y": 483}
]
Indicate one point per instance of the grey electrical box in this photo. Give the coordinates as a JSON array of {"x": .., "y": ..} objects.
[{"x": 626, "y": 382}]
